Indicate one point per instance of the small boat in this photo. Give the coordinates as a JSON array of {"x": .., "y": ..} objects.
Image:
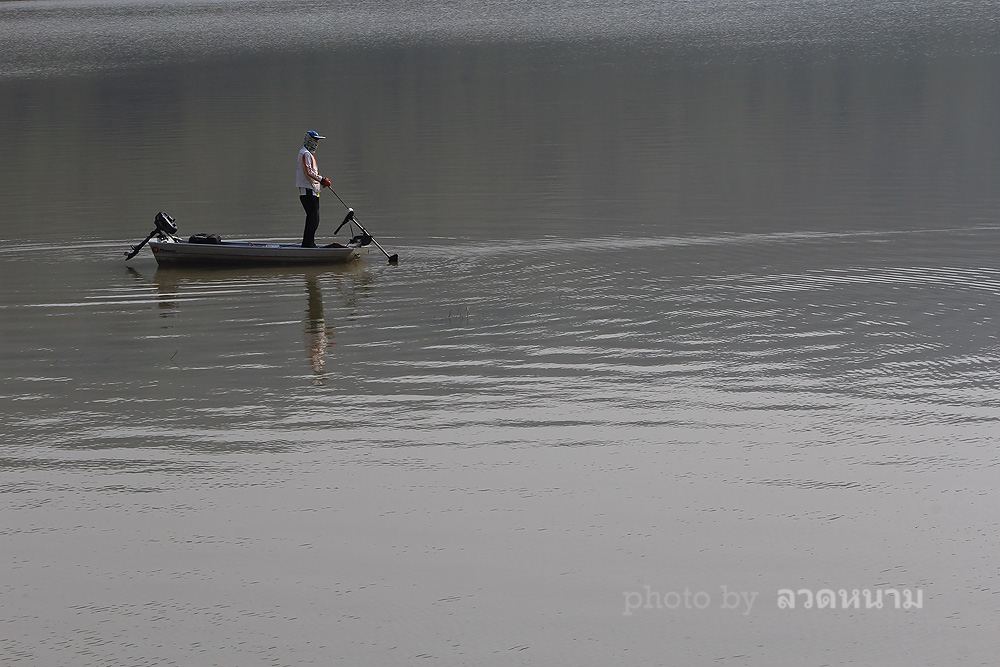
[
  {"x": 172, "y": 250},
  {"x": 210, "y": 250}
]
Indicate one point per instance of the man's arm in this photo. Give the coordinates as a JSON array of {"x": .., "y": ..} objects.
[{"x": 309, "y": 169}]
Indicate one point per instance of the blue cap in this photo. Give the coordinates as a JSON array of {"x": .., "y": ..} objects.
[{"x": 315, "y": 135}]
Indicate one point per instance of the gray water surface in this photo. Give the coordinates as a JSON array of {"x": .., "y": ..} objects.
[{"x": 694, "y": 297}]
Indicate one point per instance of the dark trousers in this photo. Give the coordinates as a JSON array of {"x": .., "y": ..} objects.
[{"x": 311, "y": 204}]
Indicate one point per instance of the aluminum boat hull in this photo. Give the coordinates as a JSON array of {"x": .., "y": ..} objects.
[{"x": 172, "y": 252}]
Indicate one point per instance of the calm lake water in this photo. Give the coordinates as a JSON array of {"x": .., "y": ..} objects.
[{"x": 696, "y": 301}]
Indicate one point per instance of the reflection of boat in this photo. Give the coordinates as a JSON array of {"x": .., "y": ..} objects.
[
  {"x": 209, "y": 250},
  {"x": 347, "y": 283},
  {"x": 170, "y": 278}
]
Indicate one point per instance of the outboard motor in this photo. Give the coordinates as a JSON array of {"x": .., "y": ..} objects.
[
  {"x": 165, "y": 223},
  {"x": 164, "y": 228}
]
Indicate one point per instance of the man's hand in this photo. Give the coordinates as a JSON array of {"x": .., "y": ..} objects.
[{"x": 326, "y": 182}]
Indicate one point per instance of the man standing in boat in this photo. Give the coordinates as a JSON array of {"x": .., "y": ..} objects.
[{"x": 309, "y": 182}]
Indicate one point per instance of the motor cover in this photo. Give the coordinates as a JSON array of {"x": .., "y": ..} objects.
[{"x": 165, "y": 223}]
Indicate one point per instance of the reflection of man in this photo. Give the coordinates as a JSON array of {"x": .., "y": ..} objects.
[{"x": 318, "y": 335}]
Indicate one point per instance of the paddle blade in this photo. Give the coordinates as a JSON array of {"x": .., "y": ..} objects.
[{"x": 394, "y": 259}]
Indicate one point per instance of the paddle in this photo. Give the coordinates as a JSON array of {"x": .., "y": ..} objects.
[{"x": 393, "y": 259}]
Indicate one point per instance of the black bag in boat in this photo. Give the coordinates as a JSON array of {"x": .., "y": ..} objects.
[{"x": 213, "y": 239}]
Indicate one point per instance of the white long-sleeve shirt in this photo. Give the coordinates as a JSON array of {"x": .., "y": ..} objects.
[{"x": 307, "y": 171}]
